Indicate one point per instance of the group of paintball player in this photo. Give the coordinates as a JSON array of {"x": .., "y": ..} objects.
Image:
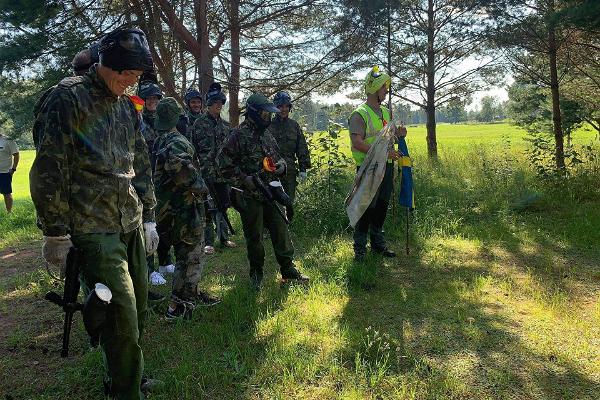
[{"x": 117, "y": 182}]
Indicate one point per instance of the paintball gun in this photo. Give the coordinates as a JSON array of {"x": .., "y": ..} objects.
[
  {"x": 274, "y": 194},
  {"x": 68, "y": 301},
  {"x": 94, "y": 309},
  {"x": 216, "y": 202}
]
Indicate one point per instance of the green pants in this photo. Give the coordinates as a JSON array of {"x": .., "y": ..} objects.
[
  {"x": 255, "y": 216},
  {"x": 290, "y": 183},
  {"x": 118, "y": 260}
]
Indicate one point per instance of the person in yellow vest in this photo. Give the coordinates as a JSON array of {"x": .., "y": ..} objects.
[{"x": 364, "y": 124}]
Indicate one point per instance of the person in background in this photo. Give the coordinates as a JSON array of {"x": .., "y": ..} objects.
[{"x": 9, "y": 160}]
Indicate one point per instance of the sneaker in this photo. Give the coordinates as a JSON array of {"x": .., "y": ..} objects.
[
  {"x": 385, "y": 252},
  {"x": 166, "y": 269},
  {"x": 293, "y": 275},
  {"x": 229, "y": 243},
  {"x": 207, "y": 300},
  {"x": 149, "y": 385},
  {"x": 157, "y": 279},
  {"x": 209, "y": 250},
  {"x": 153, "y": 296},
  {"x": 183, "y": 311}
]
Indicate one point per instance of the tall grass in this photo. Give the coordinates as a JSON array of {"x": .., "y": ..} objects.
[{"x": 497, "y": 300}]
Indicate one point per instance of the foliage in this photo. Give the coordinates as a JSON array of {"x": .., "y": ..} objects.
[
  {"x": 424, "y": 45},
  {"x": 324, "y": 193}
]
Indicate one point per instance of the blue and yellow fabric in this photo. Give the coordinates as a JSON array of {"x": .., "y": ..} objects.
[{"x": 407, "y": 195}]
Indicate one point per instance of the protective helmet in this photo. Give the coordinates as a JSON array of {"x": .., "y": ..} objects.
[
  {"x": 125, "y": 49},
  {"x": 147, "y": 89},
  {"x": 94, "y": 56},
  {"x": 257, "y": 103},
  {"x": 191, "y": 93},
  {"x": 84, "y": 60},
  {"x": 215, "y": 94},
  {"x": 282, "y": 98},
  {"x": 149, "y": 76},
  {"x": 375, "y": 80}
]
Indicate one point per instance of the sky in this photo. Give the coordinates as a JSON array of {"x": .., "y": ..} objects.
[
  {"x": 341, "y": 97},
  {"x": 470, "y": 63}
]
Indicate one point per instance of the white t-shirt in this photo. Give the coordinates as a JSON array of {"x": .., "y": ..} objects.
[{"x": 7, "y": 149}]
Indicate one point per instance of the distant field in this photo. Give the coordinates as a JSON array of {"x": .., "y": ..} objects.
[{"x": 451, "y": 137}]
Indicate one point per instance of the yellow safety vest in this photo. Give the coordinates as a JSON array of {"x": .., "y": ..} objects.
[{"x": 373, "y": 124}]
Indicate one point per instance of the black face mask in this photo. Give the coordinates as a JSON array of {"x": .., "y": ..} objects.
[
  {"x": 262, "y": 119},
  {"x": 125, "y": 49}
]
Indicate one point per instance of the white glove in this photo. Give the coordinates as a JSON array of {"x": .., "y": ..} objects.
[
  {"x": 280, "y": 167},
  {"x": 55, "y": 250},
  {"x": 302, "y": 176},
  {"x": 156, "y": 279},
  {"x": 151, "y": 236}
]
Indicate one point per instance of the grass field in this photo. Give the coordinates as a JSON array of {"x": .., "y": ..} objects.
[{"x": 498, "y": 299}]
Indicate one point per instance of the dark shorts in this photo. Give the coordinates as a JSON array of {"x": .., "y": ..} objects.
[{"x": 6, "y": 183}]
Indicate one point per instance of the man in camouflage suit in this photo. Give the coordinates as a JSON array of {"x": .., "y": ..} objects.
[
  {"x": 179, "y": 191},
  {"x": 208, "y": 133},
  {"x": 292, "y": 146},
  {"x": 91, "y": 184},
  {"x": 242, "y": 156},
  {"x": 151, "y": 94}
]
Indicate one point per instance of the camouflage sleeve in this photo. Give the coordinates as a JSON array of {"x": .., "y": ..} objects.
[
  {"x": 179, "y": 164},
  {"x": 227, "y": 160},
  {"x": 49, "y": 177},
  {"x": 302, "y": 151},
  {"x": 142, "y": 181}
]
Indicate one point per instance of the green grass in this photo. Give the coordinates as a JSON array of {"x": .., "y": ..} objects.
[
  {"x": 19, "y": 227},
  {"x": 498, "y": 298}
]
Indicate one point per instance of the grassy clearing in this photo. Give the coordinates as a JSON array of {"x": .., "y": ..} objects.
[{"x": 497, "y": 300}]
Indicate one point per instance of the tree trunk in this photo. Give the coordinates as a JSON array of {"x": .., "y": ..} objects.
[
  {"x": 234, "y": 81},
  {"x": 559, "y": 154},
  {"x": 205, "y": 67},
  {"x": 430, "y": 108}
]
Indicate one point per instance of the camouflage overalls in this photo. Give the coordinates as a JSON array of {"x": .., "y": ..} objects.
[
  {"x": 241, "y": 155},
  {"x": 91, "y": 178},
  {"x": 180, "y": 213}
]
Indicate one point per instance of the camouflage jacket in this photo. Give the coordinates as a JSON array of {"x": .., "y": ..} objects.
[
  {"x": 150, "y": 134},
  {"x": 175, "y": 168},
  {"x": 179, "y": 212},
  {"x": 291, "y": 142},
  {"x": 242, "y": 154},
  {"x": 91, "y": 173},
  {"x": 208, "y": 134}
]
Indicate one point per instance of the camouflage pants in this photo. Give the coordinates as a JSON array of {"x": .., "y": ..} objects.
[
  {"x": 118, "y": 260},
  {"x": 184, "y": 230},
  {"x": 257, "y": 215}
]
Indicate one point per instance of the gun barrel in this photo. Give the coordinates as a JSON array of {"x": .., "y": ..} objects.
[{"x": 64, "y": 352}]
